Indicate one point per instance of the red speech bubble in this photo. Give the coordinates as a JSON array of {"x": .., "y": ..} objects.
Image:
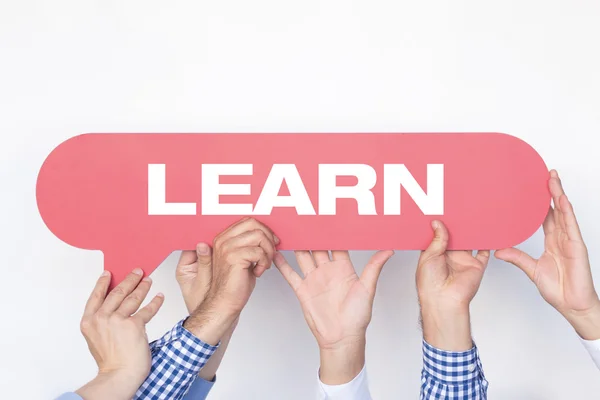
[{"x": 138, "y": 197}]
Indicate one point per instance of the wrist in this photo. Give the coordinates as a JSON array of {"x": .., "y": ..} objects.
[
  {"x": 447, "y": 328},
  {"x": 211, "y": 321},
  {"x": 342, "y": 362},
  {"x": 586, "y": 323}
]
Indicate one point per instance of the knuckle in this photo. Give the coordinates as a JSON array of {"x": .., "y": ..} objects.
[
  {"x": 226, "y": 246},
  {"x": 259, "y": 251},
  {"x": 135, "y": 297},
  {"x": 153, "y": 306},
  {"x": 260, "y": 233},
  {"x": 97, "y": 295},
  {"x": 85, "y": 325},
  {"x": 99, "y": 318},
  {"x": 118, "y": 291},
  {"x": 251, "y": 221}
]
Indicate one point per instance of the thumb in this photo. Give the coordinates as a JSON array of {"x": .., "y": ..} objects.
[
  {"x": 518, "y": 258},
  {"x": 370, "y": 274},
  {"x": 439, "y": 244},
  {"x": 204, "y": 255}
]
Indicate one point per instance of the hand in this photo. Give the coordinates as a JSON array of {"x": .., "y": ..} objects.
[
  {"x": 241, "y": 253},
  {"x": 562, "y": 274},
  {"x": 194, "y": 274},
  {"x": 116, "y": 336},
  {"x": 337, "y": 306},
  {"x": 447, "y": 281}
]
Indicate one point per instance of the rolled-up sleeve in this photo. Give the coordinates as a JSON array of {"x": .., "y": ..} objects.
[
  {"x": 177, "y": 358},
  {"x": 452, "y": 375}
]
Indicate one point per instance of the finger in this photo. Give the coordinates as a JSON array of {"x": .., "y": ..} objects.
[
  {"x": 549, "y": 223},
  {"x": 519, "y": 258},
  {"x": 321, "y": 257},
  {"x": 233, "y": 226},
  {"x": 204, "y": 255},
  {"x": 439, "y": 244},
  {"x": 123, "y": 289},
  {"x": 187, "y": 257},
  {"x": 305, "y": 261},
  {"x": 291, "y": 276},
  {"x": 339, "y": 255},
  {"x": 260, "y": 269},
  {"x": 98, "y": 294},
  {"x": 483, "y": 256},
  {"x": 255, "y": 238},
  {"x": 150, "y": 310},
  {"x": 556, "y": 190},
  {"x": 132, "y": 302},
  {"x": 571, "y": 224},
  {"x": 370, "y": 274},
  {"x": 249, "y": 258},
  {"x": 247, "y": 224}
]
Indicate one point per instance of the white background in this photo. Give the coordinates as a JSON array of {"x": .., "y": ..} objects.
[{"x": 526, "y": 67}]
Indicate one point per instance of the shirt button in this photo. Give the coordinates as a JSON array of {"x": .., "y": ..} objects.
[
  {"x": 177, "y": 344},
  {"x": 471, "y": 367}
]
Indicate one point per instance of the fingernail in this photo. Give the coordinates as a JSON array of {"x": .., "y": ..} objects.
[
  {"x": 434, "y": 224},
  {"x": 276, "y": 239},
  {"x": 147, "y": 279},
  {"x": 202, "y": 249},
  {"x": 105, "y": 273},
  {"x": 159, "y": 294},
  {"x": 138, "y": 271}
]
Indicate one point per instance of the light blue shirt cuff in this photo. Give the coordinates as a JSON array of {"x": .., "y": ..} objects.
[
  {"x": 199, "y": 389},
  {"x": 69, "y": 396}
]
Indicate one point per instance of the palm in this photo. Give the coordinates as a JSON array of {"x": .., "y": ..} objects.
[
  {"x": 452, "y": 275},
  {"x": 562, "y": 274},
  {"x": 335, "y": 302},
  {"x": 466, "y": 271},
  {"x": 559, "y": 275}
]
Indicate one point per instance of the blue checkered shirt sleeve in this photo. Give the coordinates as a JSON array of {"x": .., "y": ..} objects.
[
  {"x": 452, "y": 375},
  {"x": 177, "y": 357}
]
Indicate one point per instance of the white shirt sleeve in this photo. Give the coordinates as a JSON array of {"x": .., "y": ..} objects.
[
  {"x": 593, "y": 347},
  {"x": 356, "y": 389}
]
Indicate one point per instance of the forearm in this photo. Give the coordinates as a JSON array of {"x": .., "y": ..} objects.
[
  {"x": 446, "y": 328},
  {"x": 211, "y": 321},
  {"x": 586, "y": 323},
  {"x": 342, "y": 363},
  {"x": 209, "y": 371},
  {"x": 587, "y": 326},
  {"x": 342, "y": 373},
  {"x": 451, "y": 362}
]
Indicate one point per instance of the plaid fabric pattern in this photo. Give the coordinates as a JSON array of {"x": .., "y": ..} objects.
[
  {"x": 177, "y": 357},
  {"x": 452, "y": 375}
]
